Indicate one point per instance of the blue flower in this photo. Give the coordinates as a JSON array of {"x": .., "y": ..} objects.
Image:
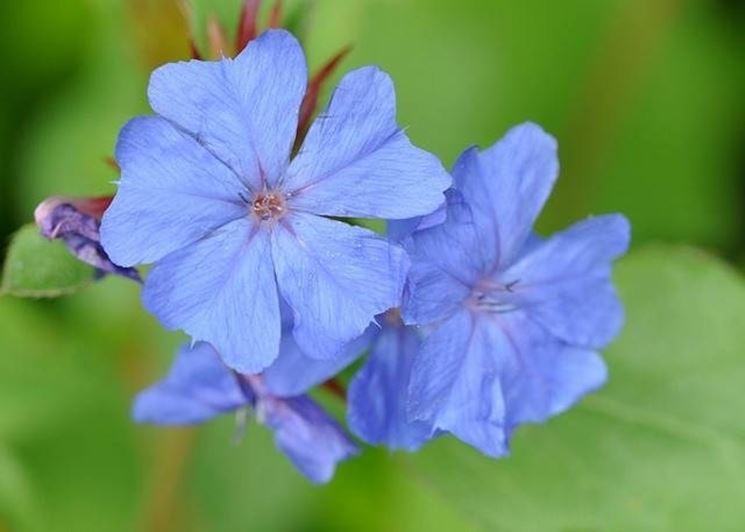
[
  {"x": 208, "y": 193},
  {"x": 294, "y": 372},
  {"x": 376, "y": 410},
  {"x": 76, "y": 222},
  {"x": 514, "y": 321},
  {"x": 199, "y": 387}
]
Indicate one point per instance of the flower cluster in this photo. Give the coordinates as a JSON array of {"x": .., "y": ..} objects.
[{"x": 471, "y": 324}]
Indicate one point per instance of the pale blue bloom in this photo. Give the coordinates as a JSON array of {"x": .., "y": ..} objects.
[
  {"x": 514, "y": 321},
  {"x": 294, "y": 372},
  {"x": 209, "y": 194},
  {"x": 376, "y": 410},
  {"x": 199, "y": 387}
]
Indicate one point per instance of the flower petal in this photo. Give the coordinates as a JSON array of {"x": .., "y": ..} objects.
[
  {"x": 306, "y": 434},
  {"x": 565, "y": 281},
  {"x": 356, "y": 161},
  {"x": 197, "y": 388},
  {"x": 222, "y": 290},
  {"x": 546, "y": 376},
  {"x": 243, "y": 110},
  {"x": 455, "y": 383},
  {"x": 399, "y": 230},
  {"x": 294, "y": 372},
  {"x": 377, "y": 394},
  {"x": 506, "y": 187},
  {"x": 336, "y": 278},
  {"x": 480, "y": 377},
  {"x": 446, "y": 261},
  {"x": 171, "y": 193}
]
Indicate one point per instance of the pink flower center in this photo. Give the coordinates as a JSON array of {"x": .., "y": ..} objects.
[{"x": 268, "y": 205}]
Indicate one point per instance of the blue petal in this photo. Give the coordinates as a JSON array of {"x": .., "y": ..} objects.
[
  {"x": 446, "y": 261},
  {"x": 58, "y": 219},
  {"x": 565, "y": 281},
  {"x": 294, "y": 372},
  {"x": 398, "y": 230},
  {"x": 171, "y": 193},
  {"x": 377, "y": 394},
  {"x": 197, "y": 388},
  {"x": 244, "y": 111},
  {"x": 336, "y": 278},
  {"x": 455, "y": 383},
  {"x": 545, "y": 376},
  {"x": 307, "y": 435},
  {"x": 506, "y": 186},
  {"x": 357, "y": 162},
  {"x": 222, "y": 290}
]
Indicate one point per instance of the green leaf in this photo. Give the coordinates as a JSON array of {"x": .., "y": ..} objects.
[
  {"x": 16, "y": 498},
  {"x": 37, "y": 267},
  {"x": 662, "y": 447}
]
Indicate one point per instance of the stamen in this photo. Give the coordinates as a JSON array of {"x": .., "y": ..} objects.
[
  {"x": 494, "y": 298},
  {"x": 392, "y": 317},
  {"x": 268, "y": 206}
]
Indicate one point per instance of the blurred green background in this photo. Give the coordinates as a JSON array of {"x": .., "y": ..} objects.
[{"x": 646, "y": 100}]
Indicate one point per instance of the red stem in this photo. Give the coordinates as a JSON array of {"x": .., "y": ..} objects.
[
  {"x": 216, "y": 37},
  {"x": 275, "y": 16},
  {"x": 247, "y": 24},
  {"x": 310, "y": 101},
  {"x": 337, "y": 389},
  {"x": 195, "y": 54}
]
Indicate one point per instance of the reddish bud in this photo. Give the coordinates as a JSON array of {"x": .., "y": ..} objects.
[
  {"x": 76, "y": 222},
  {"x": 93, "y": 207}
]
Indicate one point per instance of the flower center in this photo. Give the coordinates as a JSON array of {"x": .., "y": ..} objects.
[
  {"x": 268, "y": 205},
  {"x": 493, "y": 298},
  {"x": 392, "y": 317}
]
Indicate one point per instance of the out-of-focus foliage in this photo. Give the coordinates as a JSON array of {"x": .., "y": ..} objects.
[
  {"x": 645, "y": 98},
  {"x": 36, "y": 267}
]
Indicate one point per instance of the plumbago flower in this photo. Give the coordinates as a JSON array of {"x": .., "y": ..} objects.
[
  {"x": 376, "y": 402},
  {"x": 199, "y": 387},
  {"x": 209, "y": 194},
  {"x": 376, "y": 410},
  {"x": 294, "y": 372},
  {"x": 513, "y": 322}
]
